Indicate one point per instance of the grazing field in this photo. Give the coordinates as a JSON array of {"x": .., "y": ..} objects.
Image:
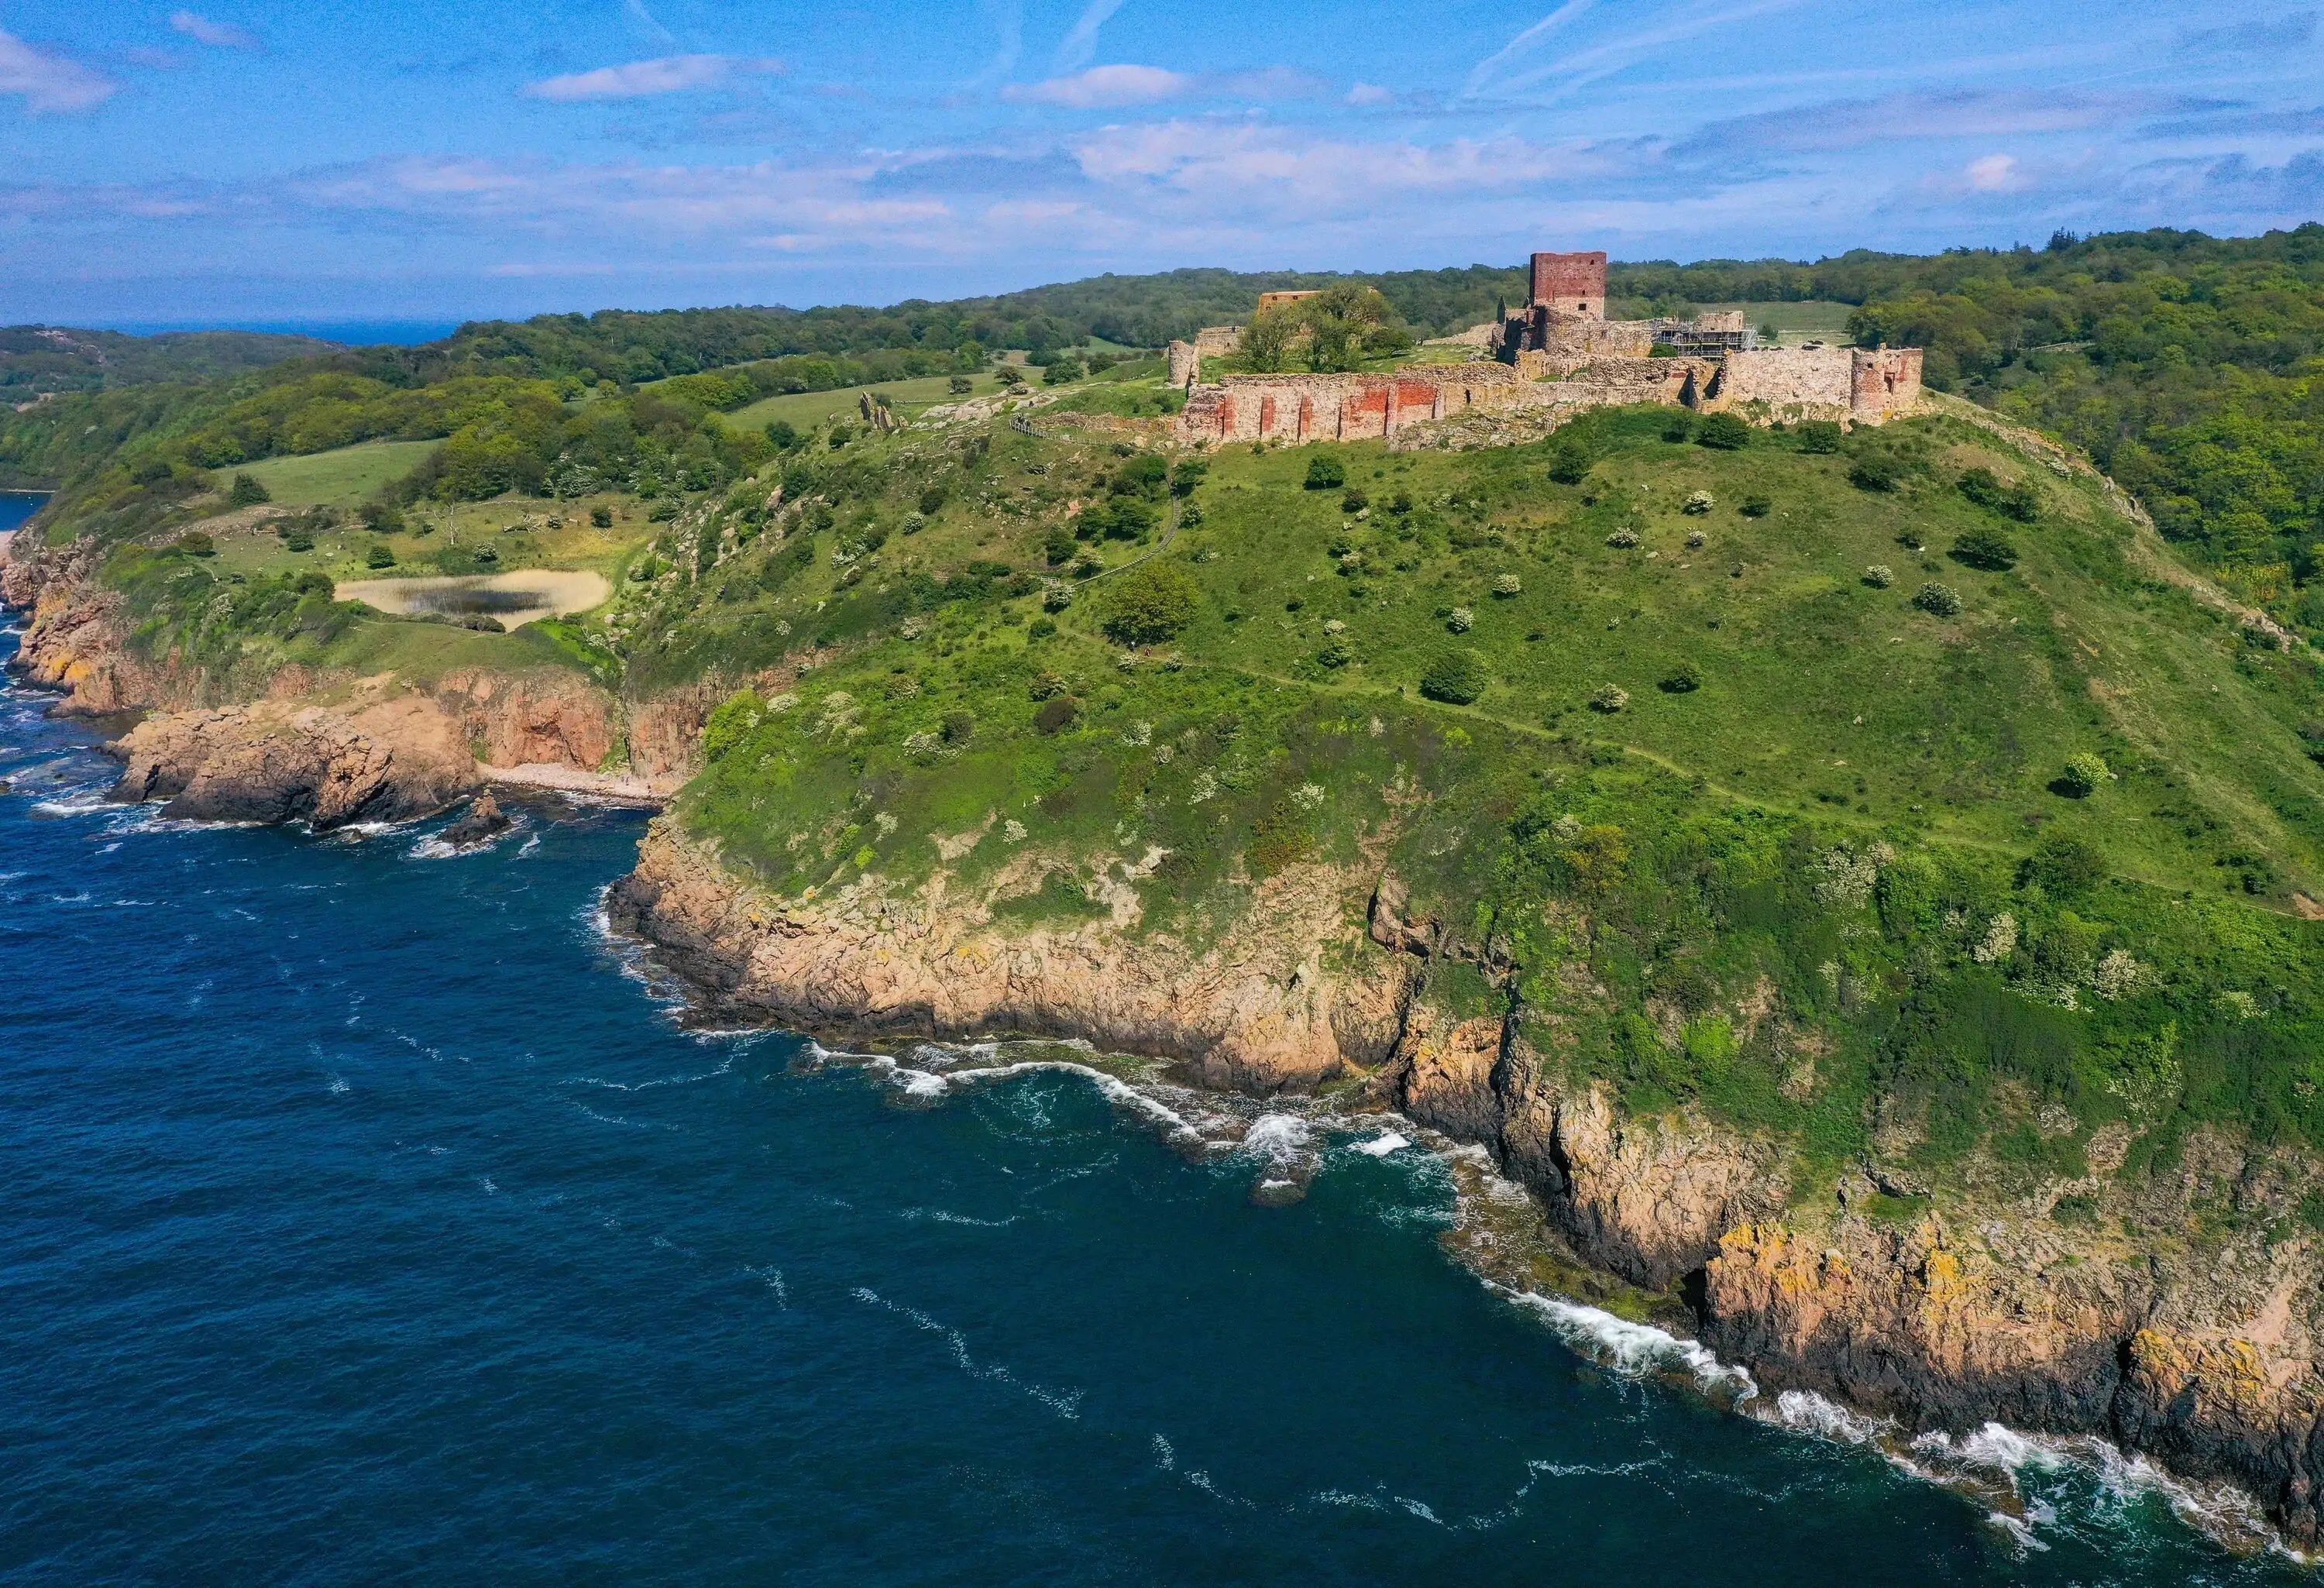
[
  {"x": 1815, "y": 320},
  {"x": 342, "y": 479}
]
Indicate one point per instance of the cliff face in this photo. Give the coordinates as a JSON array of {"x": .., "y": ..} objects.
[
  {"x": 2196, "y": 1341},
  {"x": 292, "y": 744},
  {"x": 1257, "y": 1011}
]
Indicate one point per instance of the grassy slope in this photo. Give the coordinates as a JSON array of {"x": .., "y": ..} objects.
[
  {"x": 806, "y": 410},
  {"x": 1250, "y": 752},
  {"x": 343, "y": 478}
]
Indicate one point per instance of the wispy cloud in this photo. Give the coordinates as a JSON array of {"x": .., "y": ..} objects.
[
  {"x": 1584, "y": 66},
  {"x": 1957, "y": 113},
  {"x": 50, "y": 83},
  {"x": 1080, "y": 46},
  {"x": 1105, "y": 87},
  {"x": 222, "y": 35},
  {"x": 1109, "y": 88},
  {"x": 2246, "y": 38},
  {"x": 668, "y": 74},
  {"x": 647, "y": 20},
  {"x": 1524, "y": 42}
]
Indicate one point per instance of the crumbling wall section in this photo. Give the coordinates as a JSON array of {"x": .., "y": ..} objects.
[
  {"x": 1793, "y": 383},
  {"x": 1295, "y": 408},
  {"x": 1885, "y": 383}
]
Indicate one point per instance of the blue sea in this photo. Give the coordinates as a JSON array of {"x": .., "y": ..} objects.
[
  {"x": 16, "y": 506},
  {"x": 371, "y": 1215}
]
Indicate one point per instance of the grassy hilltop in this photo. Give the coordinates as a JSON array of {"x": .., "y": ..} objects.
[{"x": 1706, "y": 756}]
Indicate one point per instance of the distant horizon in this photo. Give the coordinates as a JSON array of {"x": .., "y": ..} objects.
[{"x": 418, "y": 329}]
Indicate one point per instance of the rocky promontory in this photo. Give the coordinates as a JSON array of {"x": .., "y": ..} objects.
[{"x": 2196, "y": 1346}]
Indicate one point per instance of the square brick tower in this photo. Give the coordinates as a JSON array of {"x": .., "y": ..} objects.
[{"x": 1570, "y": 284}]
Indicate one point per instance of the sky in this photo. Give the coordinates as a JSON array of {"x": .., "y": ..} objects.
[{"x": 259, "y": 161}]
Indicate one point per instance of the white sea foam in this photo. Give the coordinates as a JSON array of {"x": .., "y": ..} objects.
[
  {"x": 1806, "y": 1412},
  {"x": 772, "y": 1279},
  {"x": 1065, "y": 1404},
  {"x": 1381, "y": 1146},
  {"x": 1276, "y": 1135},
  {"x": 1635, "y": 1350}
]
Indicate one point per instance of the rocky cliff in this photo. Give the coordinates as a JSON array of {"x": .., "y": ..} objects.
[
  {"x": 291, "y": 743},
  {"x": 2177, "y": 1316}
]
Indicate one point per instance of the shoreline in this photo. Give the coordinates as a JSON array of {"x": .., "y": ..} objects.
[{"x": 1501, "y": 1236}]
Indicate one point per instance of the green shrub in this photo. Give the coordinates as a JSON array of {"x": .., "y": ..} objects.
[
  {"x": 1986, "y": 548},
  {"x": 2085, "y": 773},
  {"x": 1678, "y": 428},
  {"x": 932, "y": 499},
  {"x": 1040, "y": 628},
  {"x": 1726, "y": 432},
  {"x": 1457, "y": 677},
  {"x": 194, "y": 543},
  {"x": 1151, "y": 602},
  {"x": 1569, "y": 461},
  {"x": 2065, "y": 867},
  {"x": 1941, "y": 600},
  {"x": 736, "y": 717},
  {"x": 1819, "y": 435},
  {"x": 2020, "y": 501},
  {"x": 781, "y": 435},
  {"x": 960, "y": 386},
  {"x": 602, "y": 517},
  {"x": 1326, "y": 472},
  {"x": 1355, "y": 501},
  {"x": 1056, "y": 714},
  {"x": 379, "y": 555},
  {"x": 1756, "y": 507},
  {"x": 1685, "y": 678},
  {"x": 297, "y": 539},
  {"x": 248, "y": 491},
  {"x": 1875, "y": 473}
]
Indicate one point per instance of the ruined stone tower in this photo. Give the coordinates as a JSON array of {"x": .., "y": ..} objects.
[{"x": 1570, "y": 284}]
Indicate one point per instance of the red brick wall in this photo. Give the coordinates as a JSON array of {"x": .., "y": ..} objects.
[{"x": 1571, "y": 280}]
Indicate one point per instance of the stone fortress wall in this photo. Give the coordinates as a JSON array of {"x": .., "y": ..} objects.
[{"x": 1557, "y": 355}]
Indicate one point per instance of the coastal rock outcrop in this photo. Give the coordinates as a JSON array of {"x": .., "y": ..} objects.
[
  {"x": 387, "y": 761},
  {"x": 1257, "y": 1011},
  {"x": 2197, "y": 1347}
]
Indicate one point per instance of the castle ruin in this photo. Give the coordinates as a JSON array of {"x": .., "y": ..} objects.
[{"x": 1557, "y": 355}]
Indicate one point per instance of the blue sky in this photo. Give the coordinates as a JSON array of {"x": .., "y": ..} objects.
[{"x": 248, "y": 159}]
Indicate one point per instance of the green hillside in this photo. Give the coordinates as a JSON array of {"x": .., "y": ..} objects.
[{"x": 1691, "y": 768}]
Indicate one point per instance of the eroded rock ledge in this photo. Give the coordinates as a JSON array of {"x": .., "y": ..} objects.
[{"x": 2201, "y": 1352}]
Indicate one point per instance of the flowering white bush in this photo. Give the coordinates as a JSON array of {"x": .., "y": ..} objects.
[
  {"x": 1698, "y": 504},
  {"x": 1461, "y": 620},
  {"x": 1307, "y": 796},
  {"x": 1507, "y": 584},
  {"x": 2118, "y": 975},
  {"x": 1941, "y": 600},
  {"x": 2000, "y": 941},
  {"x": 1333, "y": 625},
  {"x": 1625, "y": 537},
  {"x": 1845, "y": 877},
  {"x": 1697, "y": 538},
  {"x": 924, "y": 744},
  {"x": 1879, "y": 576},
  {"x": 1013, "y": 830},
  {"x": 839, "y": 715},
  {"x": 1610, "y": 697}
]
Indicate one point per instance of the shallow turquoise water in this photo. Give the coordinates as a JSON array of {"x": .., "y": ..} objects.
[{"x": 370, "y": 1217}]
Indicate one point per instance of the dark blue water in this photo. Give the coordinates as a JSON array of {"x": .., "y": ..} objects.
[
  {"x": 16, "y": 506},
  {"x": 354, "y": 333},
  {"x": 367, "y": 1217}
]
